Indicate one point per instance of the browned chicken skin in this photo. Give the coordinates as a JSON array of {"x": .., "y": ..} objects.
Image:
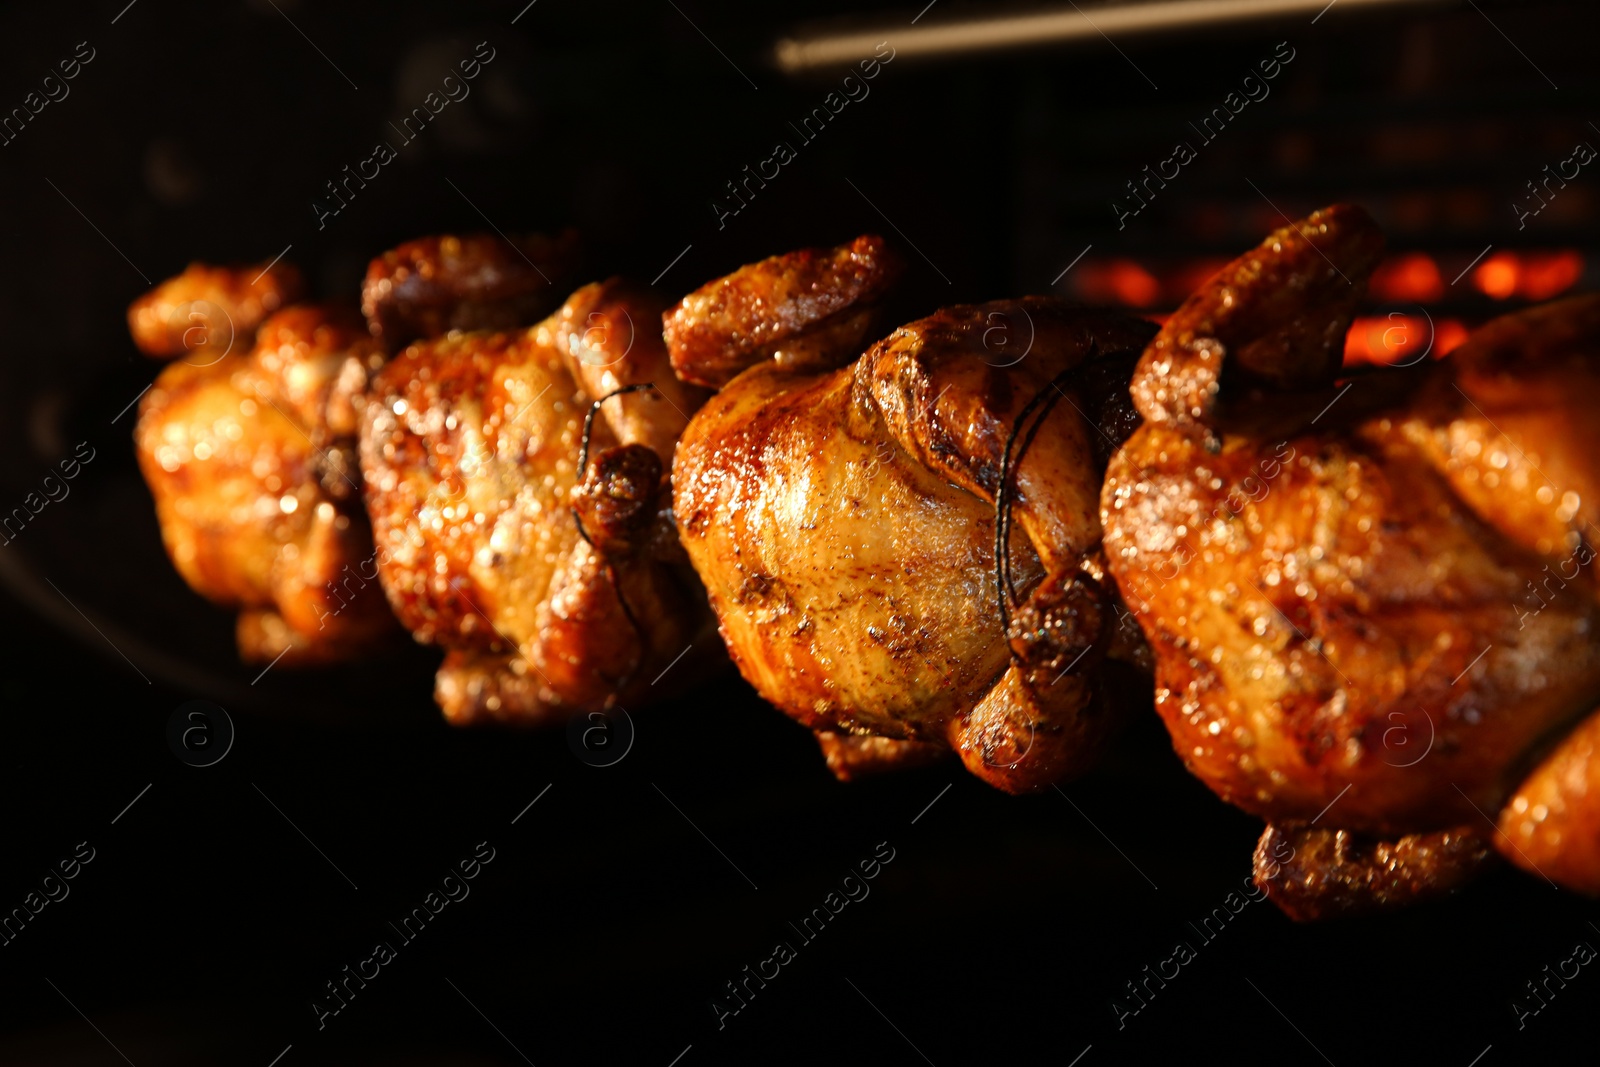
[
  {"x": 207, "y": 312},
  {"x": 842, "y": 513},
  {"x": 251, "y": 449},
  {"x": 1551, "y": 825},
  {"x": 477, "y": 281},
  {"x": 608, "y": 335},
  {"x": 1371, "y": 607},
  {"x": 471, "y": 451},
  {"x": 811, "y": 308},
  {"x": 853, "y": 756},
  {"x": 1328, "y": 874},
  {"x": 256, "y": 494}
]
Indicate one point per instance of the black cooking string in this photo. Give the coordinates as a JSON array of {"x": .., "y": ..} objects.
[
  {"x": 1043, "y": 402},
  {"x": 611, "y": 574},
  {"x": 588, "y": 428}
]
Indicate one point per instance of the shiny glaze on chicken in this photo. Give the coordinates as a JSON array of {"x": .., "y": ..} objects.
[
  {"x": 206, "y": 312},
  {"x": 476, "y": 281},
  {"x": 249, "y": 442},
  {"x": 843, "y": 518},
  {"x": 471, "y": 453},
  {"x": 1371, "y": 606},
  {"x": 256, "y": 492}
]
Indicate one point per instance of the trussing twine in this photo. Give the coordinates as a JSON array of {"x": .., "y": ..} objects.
[{"x": 611, "y": 574}]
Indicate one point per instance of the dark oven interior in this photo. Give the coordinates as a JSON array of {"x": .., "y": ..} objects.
[{"x": 1118, "y": 166}]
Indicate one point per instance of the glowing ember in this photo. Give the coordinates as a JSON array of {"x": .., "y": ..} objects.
[
  {"x": 1401, "y": 339},
  {"x": 1549, "y": 274},
  {"x": 1533, "y": 276},
  {"x": 1120, "y": 281},
  {"x": 1413, "y": 276},
  {"x": 1497, "y": 276}
]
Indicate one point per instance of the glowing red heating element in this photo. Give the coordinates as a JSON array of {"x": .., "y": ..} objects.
[
  {"x": 1403, "y": 278},
  {"x": 1401, "y": 339},
  {"x": 1116, "y": 281},
  {"x": 1530, "y": 275},
  {"x": 1410, "y": 276},
  {"x": 1413, "y": 279}
]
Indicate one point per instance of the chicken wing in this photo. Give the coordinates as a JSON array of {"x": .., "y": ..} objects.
[
  {"x": 1551, "y": 825},
  {"x": 811, "y": 308},
  {"x": 476, "y": 281},
  {"x": 1345, "y": 589},
  {"x": 207, "y": 312},
  {"x": 844, "y": 520},
  {"x": 1313, "y": 874},
  {"x": 610, "y": 350}
]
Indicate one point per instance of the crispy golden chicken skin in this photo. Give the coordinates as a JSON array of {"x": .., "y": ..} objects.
[
  {"x": 249, "y": 446},
  {"x": 1372, "y": 601},
  {"x": 476, "y": 281},
  {"x": 206, "y": 312},
  {"x": 844, "y": 520},
  {"x": 255, "y": 493},
  {"x": 1332, "y": 874},
  {"x": 800, "y": 309},
  {"x": 853, "y": 756},
  {"x": 1551, "y": 825},
  {"x": 471, "y": 449},
  {"x": 609, "y": 337}
]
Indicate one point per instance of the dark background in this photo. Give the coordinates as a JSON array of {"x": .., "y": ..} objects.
[{"x": 607, "y": 922}]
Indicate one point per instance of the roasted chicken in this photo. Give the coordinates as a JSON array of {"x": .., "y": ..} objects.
[
  {"x": 478, "y": 281},
  {"x": 1367, "y": 597},
  {"x": 248, "y": 443},
  {"x": 1370, "y": 604},
  {"x": 207, "y": 312},
  {"x": 249, "y": 460},
  {"x": 522, "y": 511},
  {"x": 902, "y": 549}
]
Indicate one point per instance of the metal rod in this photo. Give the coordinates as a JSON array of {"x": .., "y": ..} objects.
[{"x": 969, "y": 35}]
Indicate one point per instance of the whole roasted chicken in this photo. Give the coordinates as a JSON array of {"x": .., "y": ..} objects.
[
  {"x": 252, "y": 455},
  {"x": 1371, "y": 605},
  {"x": 518, "y": 492},
  {"x": 902, "y": 549},
  {"x": 249, "y": 455}
]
